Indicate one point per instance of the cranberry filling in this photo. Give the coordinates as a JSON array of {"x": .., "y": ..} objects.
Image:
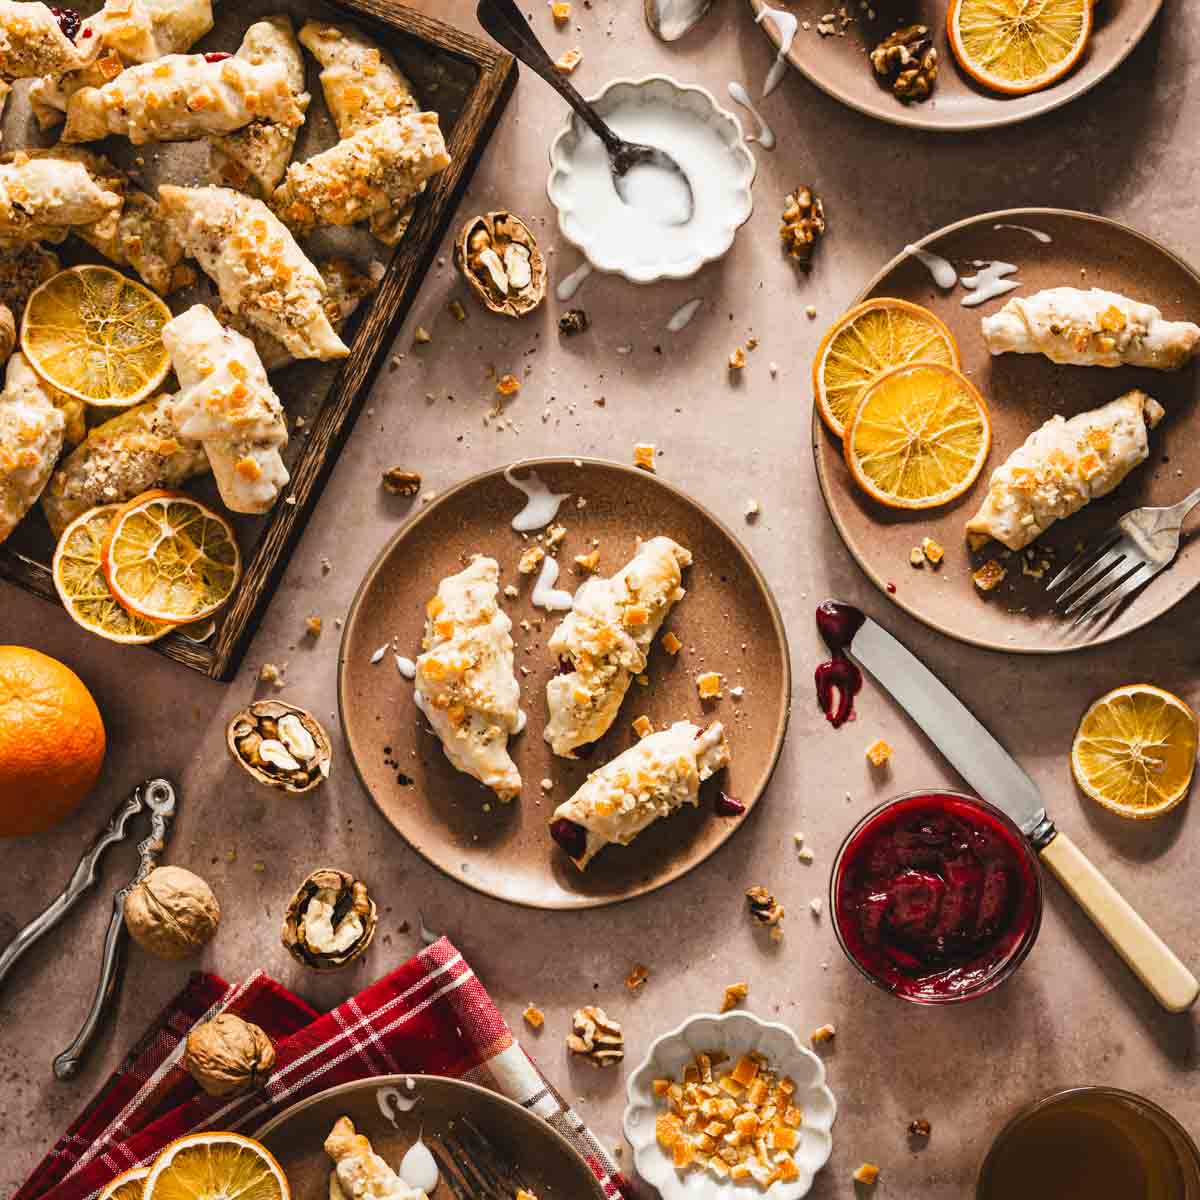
[
  {"x": 726, "y": 806},
  {"x": 838, "y": 680},
  {"x": 217, "y": 56},
  {"x": 571, "y": 836},
  {"x": 68, "y": 20}
]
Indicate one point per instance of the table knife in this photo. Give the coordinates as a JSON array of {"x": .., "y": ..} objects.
[{"x": 997, "y": 777}]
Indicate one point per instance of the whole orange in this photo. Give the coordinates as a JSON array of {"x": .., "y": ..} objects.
[{"x": 51, "y": 741}]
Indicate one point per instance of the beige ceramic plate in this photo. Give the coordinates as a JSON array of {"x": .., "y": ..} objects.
[
  {"x": 728, "y": 622},
  {"x": 1022, "y": 391},
  {"x": 296, "y": 1137},
  {"x": 839, "y": 64}
]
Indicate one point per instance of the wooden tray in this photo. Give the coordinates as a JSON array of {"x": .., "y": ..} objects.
[{"x": 479, "y": 80}]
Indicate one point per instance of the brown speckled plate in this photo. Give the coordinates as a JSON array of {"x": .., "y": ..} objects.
[
  {"x": 728, "y": 622},
  {"x": 546, "y": 1160},
  {"x": 839, "y": 64},
  {"x": 1023, "y": 391}
]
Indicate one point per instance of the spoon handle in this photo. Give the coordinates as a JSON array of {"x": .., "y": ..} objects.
[{"x": 504, "y": 21}]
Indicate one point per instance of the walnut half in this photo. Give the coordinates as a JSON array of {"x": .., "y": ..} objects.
[
  {"x": 500, "y": 260},
  {"x": 330, "y": 921},
  {"x": 280, "y": 745}
]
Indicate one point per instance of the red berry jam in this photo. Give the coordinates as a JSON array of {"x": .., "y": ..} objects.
[
  {"x": 217, "y": 56},
  {"x": 936, "y": 897},
  {"x": 726, "y": 805},
  {"x": 570, "y": 835},
  {"x": 838, "y": 680},
  {"x": 68, "y": 20}
]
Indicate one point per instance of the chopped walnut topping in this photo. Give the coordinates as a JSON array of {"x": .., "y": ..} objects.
[
  {"x": 920, "y": 1128},
  {"x": 554, "y": 535},
  {"x": 637, "y": 976},
  {"x": 508, "y": 385},
  {"x": 989, "y": 576},
  {"x": 569, "y": 61},
  {"x": 735, "y": 993},
  {"x": 400, "y": 482},
  {"x": 709, "y": 685},
  {"x": 671, "y": 644},
  {"x": 534, "y": 1017},
  {"x": 878, "y": 753},
  {"x": 530, "y": 560},
  {"x": 823, "y": 1033},
  {"x": 867, "y": 1174},
  {"x": 909, "y": 61},
  {"x": 596, "y": 1037},
  {"x": 764, "y": 908},
  {"x": 803, "y": 222},
  {"x": 643, "y": 726},
  {"x": 737, "y": 360},
  {"x": 643, "y": 456},
  {"x": 312, "y": 626},
  {"x": 588, "y": 562}
]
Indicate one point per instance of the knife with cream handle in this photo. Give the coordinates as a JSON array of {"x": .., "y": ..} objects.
[{"x": 996, "y": 776}]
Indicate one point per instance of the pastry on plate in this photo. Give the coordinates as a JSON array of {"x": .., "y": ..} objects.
[
  {"x": 376, "y": 170},
  {"x": 254, "y": 158},
  {"x": 31, "y": 435},
  {"x": 359, "y": 1173},
  {"x": 465, "y": 684},
  {"x": 1091, "y": 328},
  {"x": 650, "y": 780},
  {"x": 260, "y": 271},
  {"x": 24, "y": 267},
  {"x": 605, "y": 639},
  {"x": 182, "y": 97},
  {"x": 43, "y": 199},
  {"x": 32, "y": 41},
  {"x": 226, "y": 403},
  {"x": 1061, "y": 467}
]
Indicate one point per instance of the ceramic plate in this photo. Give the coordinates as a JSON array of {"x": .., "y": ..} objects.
[
  {"x": 296, "y": 1137},
  {"x": 728, "y": 622},
  {"x": 1023, "y": 391},
  {"x": 839, "y": 64},
  {"x": 734, "y": 1034}
]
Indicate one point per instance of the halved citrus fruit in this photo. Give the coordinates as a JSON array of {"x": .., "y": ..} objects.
[
  {"x": 215, "y": 1166},
  {"x": 874, "y": 337},
  {"x": 126, "y": 1186},
  {"x": 1135, "y": 751},
  {"x": 79, "y": 578},
  {"x": 167, "y": 557},
  {"x": 96, "y": 335},
  {"x": 918, "y": 437},
  {"x": 1018, "y": 46}
]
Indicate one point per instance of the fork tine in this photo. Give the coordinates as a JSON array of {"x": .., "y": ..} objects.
[
  {"x": 1132, "y": 583},
  {"x": 447, "y": 1172},
  {"x": 1085, "y": 556},
  {"x": 1094, "y": 574},
  {"x": 463, "y": 1162},
  {"x": 1116, "y": 576},
  {"x": 488, "y": 1157}
]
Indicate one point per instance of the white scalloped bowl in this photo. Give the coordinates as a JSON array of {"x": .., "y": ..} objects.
[
  {"x": 734, "y": 199},
  {"x": 735, "y": 1033}
]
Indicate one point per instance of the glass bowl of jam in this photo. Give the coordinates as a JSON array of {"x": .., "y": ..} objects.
[{"x": 936, "y": 897}]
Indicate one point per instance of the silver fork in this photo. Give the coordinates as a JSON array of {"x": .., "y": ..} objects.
[
  {"x": 473, "y": 1168},
  {"x": 1140, "y": 545}
]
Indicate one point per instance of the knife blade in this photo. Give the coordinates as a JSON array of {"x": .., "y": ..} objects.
[{"x": 984, "y": 763}]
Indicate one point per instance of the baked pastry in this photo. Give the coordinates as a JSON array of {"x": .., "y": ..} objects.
[
  {"x": 261, "y": 273},
  {"x": 32, "y": 41},
  {"x": 130, "y": 453},
  {"x": 376, "y": 170},
  {"x": 359, "y": 1173},
  {"x": 121, "y": 34},
  {"x": 42, "y": 198},
  {"x": 362, "y": 84},
  {"x": 1063, "y": 465},
  {"x": 254, "y": 158},
  {"x": 1091, "y": 328},
  {"x": 182, "y": 97},
  {"x": 31, "y": 434},
  {"x": 649, "y": 780},
  {"x": 226, "y": 403},
  {"x": 606, "y": 638},
  {"x": 465, "y": 684},
  {"x": 23, "y": 269}
]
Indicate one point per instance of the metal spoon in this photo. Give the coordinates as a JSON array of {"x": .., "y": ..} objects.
[{"x": 503, "y": 20}]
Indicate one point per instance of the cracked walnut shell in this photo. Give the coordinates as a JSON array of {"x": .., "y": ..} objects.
[
  {"x": 172, "y": 913},
  {"x": 330, "y": 920},
  {"x": 908, "y": 59},
  {"x": 281, "y": 745},
  {"x": 228, "y": 1056},
  {"x": 803, "y": 222},
  {"x": 596, "y": 1037},
  {"x": 500, "y": 260}
]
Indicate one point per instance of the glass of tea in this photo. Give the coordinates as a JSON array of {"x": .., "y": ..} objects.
[{"x": 1097, "y": 1143}]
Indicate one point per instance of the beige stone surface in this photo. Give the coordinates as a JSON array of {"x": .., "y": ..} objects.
[{"x": 1072, "y": 1015}]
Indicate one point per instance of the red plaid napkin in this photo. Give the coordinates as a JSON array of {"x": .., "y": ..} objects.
[{"x": 430, "y": 1016}]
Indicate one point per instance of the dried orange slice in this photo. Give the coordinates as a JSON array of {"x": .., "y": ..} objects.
[
  {"x": 216, "y": 1166},
  {"x": 1018, "y": 46},
  {"x": 79, "y": 578},
  {"x": 167, "y": 557},
  {"x": 1135, "y": 751},
  {"x": 919, "y": 436},
  {"x": 126, "y": 1186},
  {"x": 873, "y": 337},
  {"x": 97, "y": 336}
]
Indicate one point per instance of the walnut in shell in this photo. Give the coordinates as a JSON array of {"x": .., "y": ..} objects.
[
  {"x": 500, "y": 260},
  {"x": 280, "y": 745},
  {"x": 330, "y": 920},
  {"x": 596, "y": 1037},
  {"x": 172, "y": 913},
  {"x": 228, "y": 1056}
]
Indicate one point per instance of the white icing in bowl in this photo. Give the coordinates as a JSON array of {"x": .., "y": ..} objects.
[{"x": 705, "y": 139}]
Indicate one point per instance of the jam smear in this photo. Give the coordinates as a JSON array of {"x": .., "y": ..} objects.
[
  {"x": 68, "y": 20},
  {"x": 217, "y": 56},
  {"x": 839, "y": 680},
  {"x": 570, "y": 835},
  {"x": 724, "y": 805}
]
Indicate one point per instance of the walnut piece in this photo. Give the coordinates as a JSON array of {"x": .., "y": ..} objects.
[
  {"x": 573, "y": 321},
  {"x": 401, "y": 482},
  {"x": 803, "y": 222},
  {"x": 500, "y": 260},
  {"x": 908, "y": 59},
  {"x": 920, "y": 1128},
  {"x": 280, "y": 745},
  {"x": 596, "y": 1037},
  {"x": 228, "y": 1056},
  {"x": 764, "y": 908},
  {"x": 735, "y": 993},
  {"x": 172, "y": 913},
  {"x": 989, "y": 576},
  {"x": 637, "y": 976}
]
